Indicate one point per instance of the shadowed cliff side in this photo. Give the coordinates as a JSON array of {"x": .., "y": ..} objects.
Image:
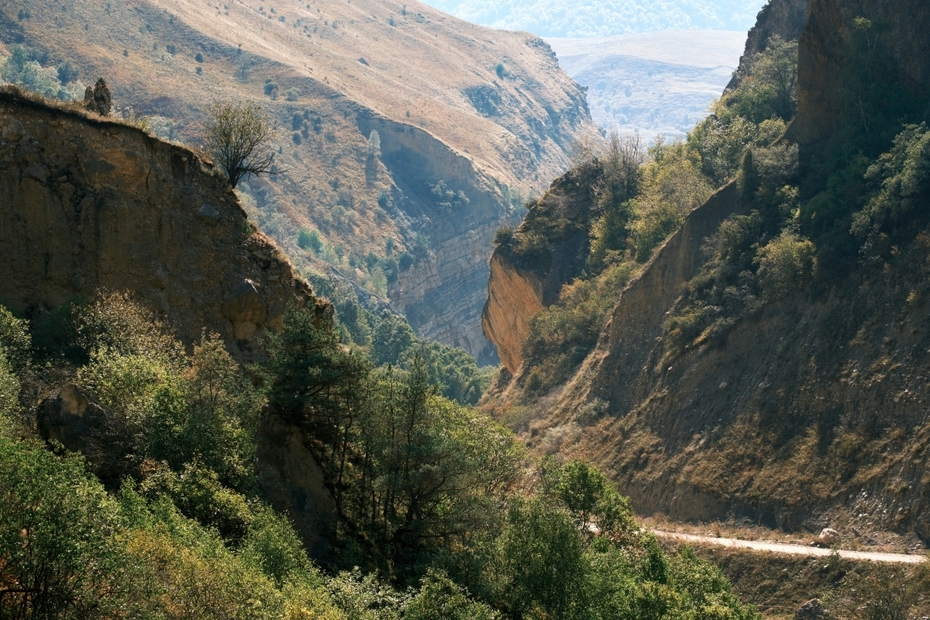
[
  {"x": 631, "y": 345},
  {"x": 823, "y": 54}
]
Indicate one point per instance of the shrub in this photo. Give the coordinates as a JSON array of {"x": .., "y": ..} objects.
[
  {"x": 309, "y": 240},
  {"x": 198, "y": 57},
  {"x": 239, "y": 139},
  {"x": 785, "y": 264},
  {"x": 9, "y": 398},
  {"x": 504, "y": 235}
]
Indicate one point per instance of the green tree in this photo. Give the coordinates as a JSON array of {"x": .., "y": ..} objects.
[
  {"x": 238, "y": 137},
  {"x": 543, "y": 552},
  {"x": 390, "y": 339},
  {"x": 58, "y": 553}
]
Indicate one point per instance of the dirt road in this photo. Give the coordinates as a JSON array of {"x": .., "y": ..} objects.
[{"x": 891, "y": 558}]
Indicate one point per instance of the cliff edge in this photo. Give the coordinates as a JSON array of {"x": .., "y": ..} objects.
[{"x": 89, "y": 204}]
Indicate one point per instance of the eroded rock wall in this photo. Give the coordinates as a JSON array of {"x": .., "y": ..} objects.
[
  {"x": 513, "y": 297},
  {"x": 548, "y": 249},
  {"x": 88, "y": 204}
]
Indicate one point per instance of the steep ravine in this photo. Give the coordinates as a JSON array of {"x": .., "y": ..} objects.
[
  {"x": 808, "y": 412},
  {"x": 329, "y": 74}
]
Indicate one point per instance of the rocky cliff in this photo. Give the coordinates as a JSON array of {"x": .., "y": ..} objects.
[
  {"x": 547, "y": 250},
  {"x": 900, "y": 28},
  {"x": 484, "y": 112},
  {"x": 90, "y": 205}
]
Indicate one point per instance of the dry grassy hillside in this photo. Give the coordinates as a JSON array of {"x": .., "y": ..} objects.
[{"x": 487, "y": 112}]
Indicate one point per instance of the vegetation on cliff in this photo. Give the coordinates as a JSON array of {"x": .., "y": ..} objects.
[{"x": 632, "y": 199}]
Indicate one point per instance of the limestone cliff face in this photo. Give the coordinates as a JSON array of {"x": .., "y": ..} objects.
[
  {"x": 89, "y": 205},
  {"x": 782, "y": 18},
  {"x": 903, "y": 28},
  {"x": 443, "y": 291},
  {"x": 548, "y": 249}
]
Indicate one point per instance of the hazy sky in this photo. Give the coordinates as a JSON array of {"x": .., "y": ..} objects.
[{"x": 592, "y": 18}]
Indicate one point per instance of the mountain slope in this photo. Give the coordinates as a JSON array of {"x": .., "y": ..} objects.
[
  {"x": 798, "y": 402},
  {"x": 494, "y": 128},
  {"x": 652, "y": 83}
]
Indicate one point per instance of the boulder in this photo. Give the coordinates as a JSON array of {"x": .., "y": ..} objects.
[
  {"x": 98, "y": 99},
  {"x": 69, "y": 417},
  {"x": 245, "y": 308},
  {"x": 828, "y": 537}
]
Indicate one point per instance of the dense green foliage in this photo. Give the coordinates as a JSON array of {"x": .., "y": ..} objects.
[
  {"x": 558, "y": 18},
  {"x": 858, "y": 202},
  {"x": 432, "y": 496}
]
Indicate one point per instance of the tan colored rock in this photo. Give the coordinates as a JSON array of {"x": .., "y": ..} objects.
[
  {"x": 513, "y": 297},
  {"x": 828, "y": 537},
  {"x": 133, "y": 213},
  {"x": 519, "y": 287},
  {"x": 244, "y": 304}
]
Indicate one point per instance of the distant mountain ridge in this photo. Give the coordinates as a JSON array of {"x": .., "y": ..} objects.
[
  {"x": 652, "y": 83},
  {"x": 603, "y": 18}
]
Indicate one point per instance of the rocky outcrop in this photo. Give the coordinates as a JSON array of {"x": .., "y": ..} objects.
[
  {"x": 97, "y": 99},
  {"x": 513, "y": 297},
  {"x": 825, "y": 46},
  {"x": 89, "y": 205},
  {"x": 548, "y": 250},
  {"x": 781, "y": 18},
  {"x": 810, "y": 409}
]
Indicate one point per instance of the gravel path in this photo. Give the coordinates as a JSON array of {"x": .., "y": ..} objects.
[{"x": 891, "y": 558}]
